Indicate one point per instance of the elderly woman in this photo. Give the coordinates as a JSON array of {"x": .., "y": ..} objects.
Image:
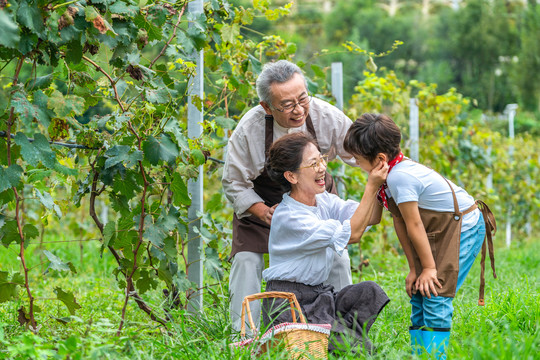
[{"x": 309, "y": 228}]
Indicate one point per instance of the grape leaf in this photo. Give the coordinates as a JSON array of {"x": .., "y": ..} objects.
[
  {"x": 163, "y": 149},
  {"x": 47, "y": 201},
  {"x": 37, "y": 151},
  {"x": 9, "y": 31},
  {"x": 10, "y": 176},
  {"x": 180, "y": 191},
  {"x": 28, "y": 111},
  {"x": 109, "y": 233},
  {"x": 56, "y": 263},
  {"x": 29, "y": 15},
  {"x": 9, "y": 233},
  {"x": 64, "y": 106},
  {"x": 8, "y": 288},
  {"x": 68, "y": 299},
  {"x": 121, "y": 154},
  {"x": 212, "y": 263}
]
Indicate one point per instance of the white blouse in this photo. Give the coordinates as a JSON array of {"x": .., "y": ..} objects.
[{"x": 304, "y": 239}]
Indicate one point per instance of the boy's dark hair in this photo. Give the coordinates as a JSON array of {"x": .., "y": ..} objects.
[
  {"x": 286, "y": 154},
  {"x": 371, "y": 134}
]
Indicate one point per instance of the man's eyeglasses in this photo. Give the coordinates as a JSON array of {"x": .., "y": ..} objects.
[
  {"x": 289, "y": 108},
  {"x": 323, "y": 160}
]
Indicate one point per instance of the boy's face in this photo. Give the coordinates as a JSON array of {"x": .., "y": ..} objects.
[{"x": 364, "y": 163}]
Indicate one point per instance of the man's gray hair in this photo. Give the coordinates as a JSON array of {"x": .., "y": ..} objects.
[{"x": 275, "y": 72}]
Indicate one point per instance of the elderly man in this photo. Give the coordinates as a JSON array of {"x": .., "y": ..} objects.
[{"x": 285, "y": 107}]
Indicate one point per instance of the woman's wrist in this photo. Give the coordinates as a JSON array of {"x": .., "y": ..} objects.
[{"x": 371, "y": 188}]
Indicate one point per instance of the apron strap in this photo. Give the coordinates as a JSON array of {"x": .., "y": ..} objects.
[
  {"x": 491, "y": 229},
  {"x": 269, "y": 134},
  {"x": 471, "y": 209},
  {"x": 456, "y": 206},
  {"x": 310, "y": 128}
]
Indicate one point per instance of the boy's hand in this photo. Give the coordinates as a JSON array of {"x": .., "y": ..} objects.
[
  {"x": 409, "y": 283},
  {"x": 426, "y": 282},
  {"x": 377, "y": 175}
]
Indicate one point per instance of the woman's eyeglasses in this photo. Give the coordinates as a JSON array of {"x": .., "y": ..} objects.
[{"x": 323, "y": 160}]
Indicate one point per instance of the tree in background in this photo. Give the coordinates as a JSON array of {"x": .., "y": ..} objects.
[{"x": 526, "y": 71}]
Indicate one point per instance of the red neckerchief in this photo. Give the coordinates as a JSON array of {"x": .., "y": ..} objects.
[{"x": 381, "y": 194}]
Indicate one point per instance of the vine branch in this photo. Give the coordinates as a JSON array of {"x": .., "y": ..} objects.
[
  {"x": 171, "y": 38},
  {"x": 113, "y": 83},
  {"x": 18, "y": 199}
]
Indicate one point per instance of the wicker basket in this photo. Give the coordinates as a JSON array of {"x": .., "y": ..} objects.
[{"x": 301, "y": 340}]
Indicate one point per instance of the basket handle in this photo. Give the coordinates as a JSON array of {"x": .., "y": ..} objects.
[{"x": 293, "y": 302}]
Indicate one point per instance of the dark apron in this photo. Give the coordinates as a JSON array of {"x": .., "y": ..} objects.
[
  {"x": 443, "y": 230},
  {"x": 250, "y": 233}
]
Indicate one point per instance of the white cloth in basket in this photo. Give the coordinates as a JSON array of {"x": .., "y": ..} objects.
[{"x": 321, "y": 328}]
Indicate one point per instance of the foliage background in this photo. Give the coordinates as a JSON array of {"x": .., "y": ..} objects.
[{"x": 95, "y": 155}]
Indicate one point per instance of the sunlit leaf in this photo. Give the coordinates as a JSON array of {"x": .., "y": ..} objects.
[
  {"x": 47, "y": 201},
  {"x": 56, "y": 263},
  {"x": 68, "y": 105},
  {"x": 180, "y": 191},
  {"x": 198, "y": 157}
]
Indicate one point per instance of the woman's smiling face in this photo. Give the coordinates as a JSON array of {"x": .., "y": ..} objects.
[{"x": 308, "y": 180}]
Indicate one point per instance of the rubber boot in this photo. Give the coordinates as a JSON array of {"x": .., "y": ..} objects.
[
  {"x": 417, "y": 340},
  {"x": 436, "y": 342}
]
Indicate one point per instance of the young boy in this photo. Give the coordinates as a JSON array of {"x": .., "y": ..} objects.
[{"x": 439, "y": 226}]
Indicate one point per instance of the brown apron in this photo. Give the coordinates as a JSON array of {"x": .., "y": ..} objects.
[
  {"x": 443, "y": 230},
  {"x": 250, "y": 233}
]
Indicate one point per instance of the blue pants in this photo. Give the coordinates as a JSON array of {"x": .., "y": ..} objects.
[{"x": 437, "y": 311}]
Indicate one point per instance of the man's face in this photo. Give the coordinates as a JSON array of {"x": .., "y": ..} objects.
[{"x": 287, "y": 94}]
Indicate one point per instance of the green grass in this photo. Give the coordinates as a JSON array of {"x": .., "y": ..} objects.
[{"x": 505, "y": 328}]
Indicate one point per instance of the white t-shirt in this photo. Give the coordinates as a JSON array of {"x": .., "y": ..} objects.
[
  {"x": 411, "y": 181},
  {"x": 304, "y": 239}
]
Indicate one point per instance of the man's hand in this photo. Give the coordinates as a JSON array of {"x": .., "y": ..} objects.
[
  {"x": 263, "y": 212},
  {"x": 426, "y": 282},
  {"x": 267, "y": 217}
]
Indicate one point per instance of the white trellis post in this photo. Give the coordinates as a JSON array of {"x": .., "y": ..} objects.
[
  {"x": 510, "y": 110},
  {"x": 337, "y": 91},
  {"x": 414, "y": 130},
  {"x": 195, "y": 187},
  {"x": 489, "y": 177}
]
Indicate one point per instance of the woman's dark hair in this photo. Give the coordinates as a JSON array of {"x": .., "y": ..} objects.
[
  {"x": 371, "y": 134},
  {"x": 286, "y": 154}
]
